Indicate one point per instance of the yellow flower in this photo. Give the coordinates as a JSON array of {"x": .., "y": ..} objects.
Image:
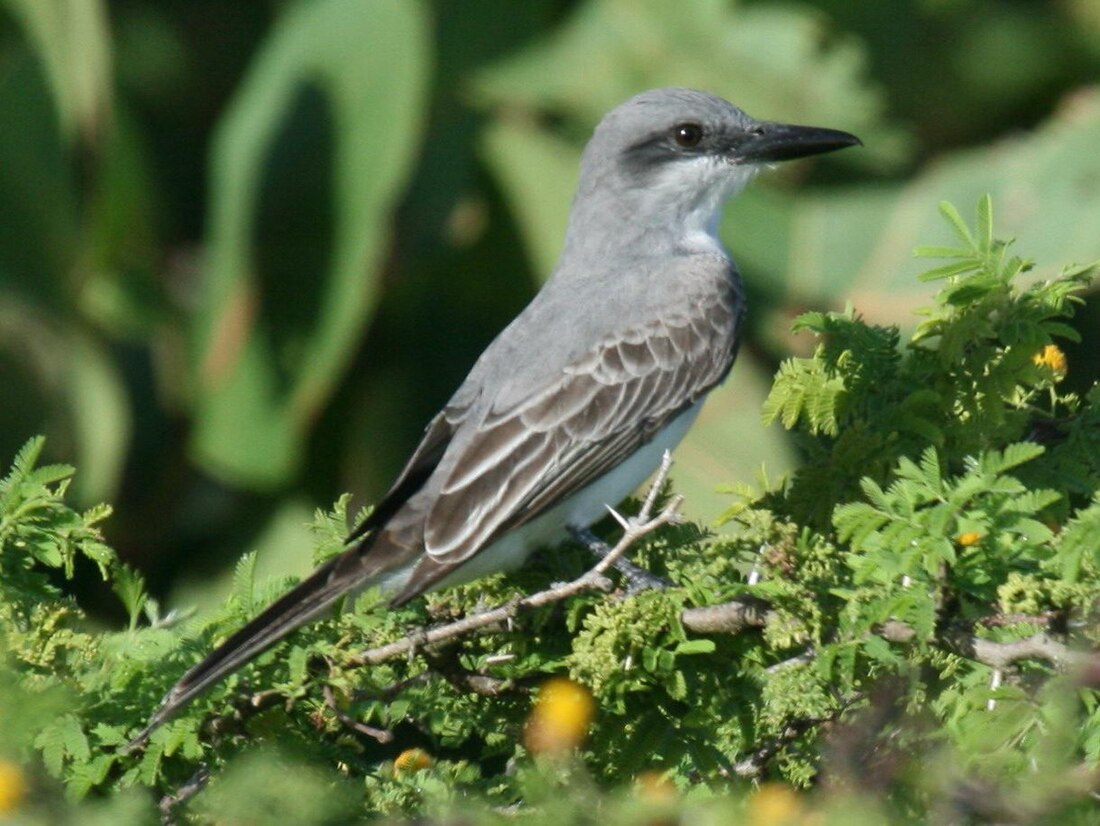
[
  {"x": 655, "y": 787},
  {"x": 560, "y": 718},
  {"x": 1051, "y": 356},
  {"x": 775, "y": 805},
  {"x": 412, "y": 760},
  {"x": 969, "y": 538},
  {"x": 13, "y": 787}
]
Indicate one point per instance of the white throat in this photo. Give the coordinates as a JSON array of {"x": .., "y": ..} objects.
[{"x": 701, "y": 191}]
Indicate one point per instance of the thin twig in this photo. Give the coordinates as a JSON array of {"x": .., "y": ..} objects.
[
  {"x": 247, "y": 706},
  {"x": 1036, "y": 647},
  {"x": 378, "y": 734},
  {"x": 594, "y": 579},
  {"x": 999, "y": 655},
  {"x": 451, "y": 670},
  {"x": 192, "y": 787},
  {"x": 753, "y": 765},
  {"x": 737, "y": 616},
  {"x": 806, "y": 656},
  {"x": 655, "y": 489},
  {"x": 637, "y": 578}
]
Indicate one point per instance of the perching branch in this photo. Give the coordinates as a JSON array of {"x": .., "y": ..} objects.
[
  {"x": 1039, "y": 646},
  {"x": 378, "y": 734},
  {"x": 737, "y": 616},
  {"x": 728, "y": 618},
  {"x": 755, "y": 764},
  {"x": 192, "y": 787},
  {"x": 246, "y": 706},
  {"x": 594, "y": 579}
]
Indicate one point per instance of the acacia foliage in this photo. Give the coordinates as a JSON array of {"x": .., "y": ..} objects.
[{"x": 928, "y": 579}]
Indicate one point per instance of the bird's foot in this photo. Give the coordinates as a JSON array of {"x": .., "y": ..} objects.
[{"x": 637, "y": 578}]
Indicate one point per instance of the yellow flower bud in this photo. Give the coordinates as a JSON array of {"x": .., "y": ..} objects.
[
  {"x": 969, "y": 538},
  {"x": 774, "y": 804},
  {"x": 560, "y": 719},
  {"x": 13, "y": 787},
  {"x": 412, "y": 760},
  {"x": 655, "y": 787},
  {"x": 1051, "y": 356}
]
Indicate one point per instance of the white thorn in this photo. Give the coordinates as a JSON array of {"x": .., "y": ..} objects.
[
  {"x": 994, "y": 684},
  {"x": 622, "y": 520}
]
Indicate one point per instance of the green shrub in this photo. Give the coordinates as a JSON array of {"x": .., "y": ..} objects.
[{"x": 911, "y": 617}]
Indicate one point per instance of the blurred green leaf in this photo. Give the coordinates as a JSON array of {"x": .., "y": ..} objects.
[
  {"x": 267, "y": 787},
  {"x": 73, "y": 43},
  {"x": 728, "y": 442},
  {"x": 281, "y": 550},
  {"x": 778, "y": 63},
  {"x": 83, "y": 399},
  {"x": 96, "y": 398},
  {"x": 856, "y": 243},
  {"x": 538, "y": 173},
  {"x": 369, "y": 62},
  {"x": 38, "y": 196},
  {"x": 119, "y": 289}
]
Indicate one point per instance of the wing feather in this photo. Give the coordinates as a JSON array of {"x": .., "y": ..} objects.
[
  {"x": 421, "y": 465},
  {"x": 592, "y": 417}
]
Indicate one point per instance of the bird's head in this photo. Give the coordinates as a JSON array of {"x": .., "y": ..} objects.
[{"x": 674, "y": 156}]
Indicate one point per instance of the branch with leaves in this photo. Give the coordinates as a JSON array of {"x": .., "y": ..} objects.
[
  {"x": 739, "y": 615},
  {"x": 929, "y": 537},
  {"x": 594, "y": 579}
]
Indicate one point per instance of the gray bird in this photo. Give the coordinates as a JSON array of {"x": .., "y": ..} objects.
[{"x": 572, "y": 406}]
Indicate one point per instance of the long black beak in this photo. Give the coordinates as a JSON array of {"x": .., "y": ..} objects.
[{"x": 783, "y": 142}]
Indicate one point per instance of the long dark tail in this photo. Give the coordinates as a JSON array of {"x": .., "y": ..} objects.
[{"x": 301, "y": 604}]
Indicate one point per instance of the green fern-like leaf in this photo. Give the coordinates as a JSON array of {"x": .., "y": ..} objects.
[
  {"x": 1014, "y": 455},
  {"x": 1077, "y": 548},
  {"x": 804, "y": 393},
  {"x": 244, "y": 582}
]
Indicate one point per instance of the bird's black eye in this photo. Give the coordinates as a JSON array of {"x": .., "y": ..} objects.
[{"x": 687, "y": 135}]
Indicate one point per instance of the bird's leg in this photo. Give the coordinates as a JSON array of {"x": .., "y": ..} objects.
[{"x": 637, "y": 578}]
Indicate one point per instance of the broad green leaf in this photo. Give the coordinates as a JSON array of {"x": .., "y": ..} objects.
[
  {"x": 39, "y": 198},
  {"x": 855, "y": 244},
  {"x": 538, "y": 173},
  {"x": 280, "y": 550},
  {"x": 83, "y": 396},
  {"x": 100, "y": 418},
  {"x": 728, "y": 443},
  {"x": 72, "y": 39},
  {"x": 769, "y": 60},
  {"x": 362, "y": 67}
]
